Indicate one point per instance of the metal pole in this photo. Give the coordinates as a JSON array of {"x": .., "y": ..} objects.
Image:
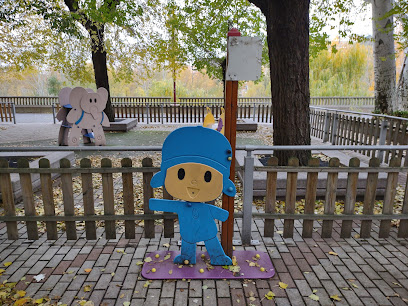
[
  {"x": 14, "y": 112},
  {"x": 326, "y": 127},
  {"x": 253, "y": 115},
  {"x": 334, "y": 128},
  {"x": 248, "y": 198},
  {"x": 148, "y": 113},
  {"x": 161, "y": 112},
  {"x": 383, "y": 136},
  {"x": 53, "y": 113}
]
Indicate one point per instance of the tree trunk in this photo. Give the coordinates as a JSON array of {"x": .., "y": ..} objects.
[
  {"x": 100, "y": 65},
  {"x": 288, "y": 42},
  {"x": 402, "y": 89},
  {"x": 384, "y": 57}
]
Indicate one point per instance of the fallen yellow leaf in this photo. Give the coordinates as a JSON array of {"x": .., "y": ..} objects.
[
  {"x": 314, "y": 297},
  {"x": 170, "y": 272},
  {"x": 6, "y": 264},
  {"x": 2, "y": 270},
  {"x": 87, "y": 288},
  {"x": 335, "y": 297},
  {"x": 21, "y": 301},
  {"x": 270, "y": 295},
  {"x": 21, "y": 293},
  {"x": 148, "y": 259},
  {"x": 87, "y": 270},
  {"x": 333, "y": 253},
  {"x": 283, "y": 285},
  {"x": 39, "y": 301}
]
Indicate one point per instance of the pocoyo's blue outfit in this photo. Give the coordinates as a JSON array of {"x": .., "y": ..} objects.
[{"x": 195, "y": 165}]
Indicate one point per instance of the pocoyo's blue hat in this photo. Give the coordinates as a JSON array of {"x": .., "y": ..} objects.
[{"x": 197, "y": 145}]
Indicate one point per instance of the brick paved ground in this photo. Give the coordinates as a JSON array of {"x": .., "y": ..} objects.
[{"x": 365, "y": 271}]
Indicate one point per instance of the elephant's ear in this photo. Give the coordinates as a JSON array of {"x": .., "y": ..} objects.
[
  {"x": 76, "y": 96},
  {"x": 63, "y": 96},
  {"x": 104, "y": 95}
]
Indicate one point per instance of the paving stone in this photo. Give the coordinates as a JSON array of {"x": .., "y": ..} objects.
[
  {"x": 111, "y": 266},
  {"x": 313, "y": 280},
  {"x": 364, "y": 280},
  {"x": 320, "y": 272},
  {"x": 210, "y": 298},
  {"x": 37, "y": 268},
  {"x": 120, "y": 274},
  {"x": 303, "y": 287},
  {"x": 102, "y": 260},
  {"x": 77, "y": 283},
  {"x": 163, "y": 302},
  {"x": 103, "y": 282},
  {"x": 130, "y": 281},
  {"x": 72, "y": 254},
  {"x": 68, "y": 297},
  {"x": 384, "y": 287},
  {"x": 222, "y": 288},
  {"x": 50, "y": 282},
  {"x": 378, "y": 296},
  {"x": 279, "y": 265},
  {"x": 195, "y": 289},
  {"x": 97, "y": 296},
  {"x": 112, "y": 291},
  {"x": 49, "y": 254},
  {"x": 282, "y": 302},
  {"x": 295, "y": 297},
  {"x": 58, "y": 290},
  {"x": 78, "y": 260},
  {"x": 152, "y": 296},
  {"x": 181, "y": 297}
]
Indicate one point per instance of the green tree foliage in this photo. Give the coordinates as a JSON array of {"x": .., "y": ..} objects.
[
  {"x": 203, "y": 27},
  {"x": 347, "y": 72},
  {"x": 53, "y": 85}
]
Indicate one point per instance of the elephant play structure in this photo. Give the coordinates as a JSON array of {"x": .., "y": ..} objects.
[{"x": 82, "y": 115}]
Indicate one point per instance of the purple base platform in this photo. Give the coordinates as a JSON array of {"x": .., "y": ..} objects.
[{"x": 163, "y": 267}]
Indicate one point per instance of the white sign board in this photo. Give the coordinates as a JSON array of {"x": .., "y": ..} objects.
[{"x": 244, "y": 58}]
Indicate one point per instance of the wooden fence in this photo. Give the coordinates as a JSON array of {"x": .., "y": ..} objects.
[
  {"x": 352, "y": 128},
  {"x": 316, "y": 101},
  {"x": 127, "y": 171},
  {"x": 7, "y": 112},
  {"x": 188, "y": 112}
]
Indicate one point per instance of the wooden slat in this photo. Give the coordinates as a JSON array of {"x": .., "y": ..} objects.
[
  {"x": 128, "y": 199},
  {"x": 330, "y": 199},
  {"x": 108, "y": 198},
  {"x": 291, "y": 184},
  {"x": 270, "y": 200},
  {"x": 88, "y": 199},
  {"x": 68, "y": 198},
  {"x": 310, "y": 198},
  {"x": 168, "y": 223},
  {"x": 48, "y": 199},
  {"x": 390, "y": 191},
  {"x": 8, "y": 201},
  {"x": 147, "y": 194},
  {"x": 369, "y": 198},
  {"x": 350, "y": 201},
  {"x": 28, "y": 198}
]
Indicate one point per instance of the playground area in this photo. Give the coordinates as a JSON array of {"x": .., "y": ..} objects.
[{"x": 309, "y": 271}]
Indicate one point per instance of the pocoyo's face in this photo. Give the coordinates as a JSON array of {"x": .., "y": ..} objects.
[{"x": 193, "y": 182}]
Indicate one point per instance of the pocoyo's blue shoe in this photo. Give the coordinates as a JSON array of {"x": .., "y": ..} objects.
[
  {"x": 181, "y": 258},
  {"x": 222, "y": 260}
]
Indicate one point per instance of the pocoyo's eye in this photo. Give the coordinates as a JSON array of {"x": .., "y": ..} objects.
[
  {"x": 181, "y": 174},
  {"x": 90, "y": 100},
  {"x": 207, "y": 176},
  {"x": 95, "y": 100}
]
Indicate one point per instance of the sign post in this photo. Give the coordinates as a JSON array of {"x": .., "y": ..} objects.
[
  {"x": 244, "y": 59},
  {"x": 230, "y": 131}
]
